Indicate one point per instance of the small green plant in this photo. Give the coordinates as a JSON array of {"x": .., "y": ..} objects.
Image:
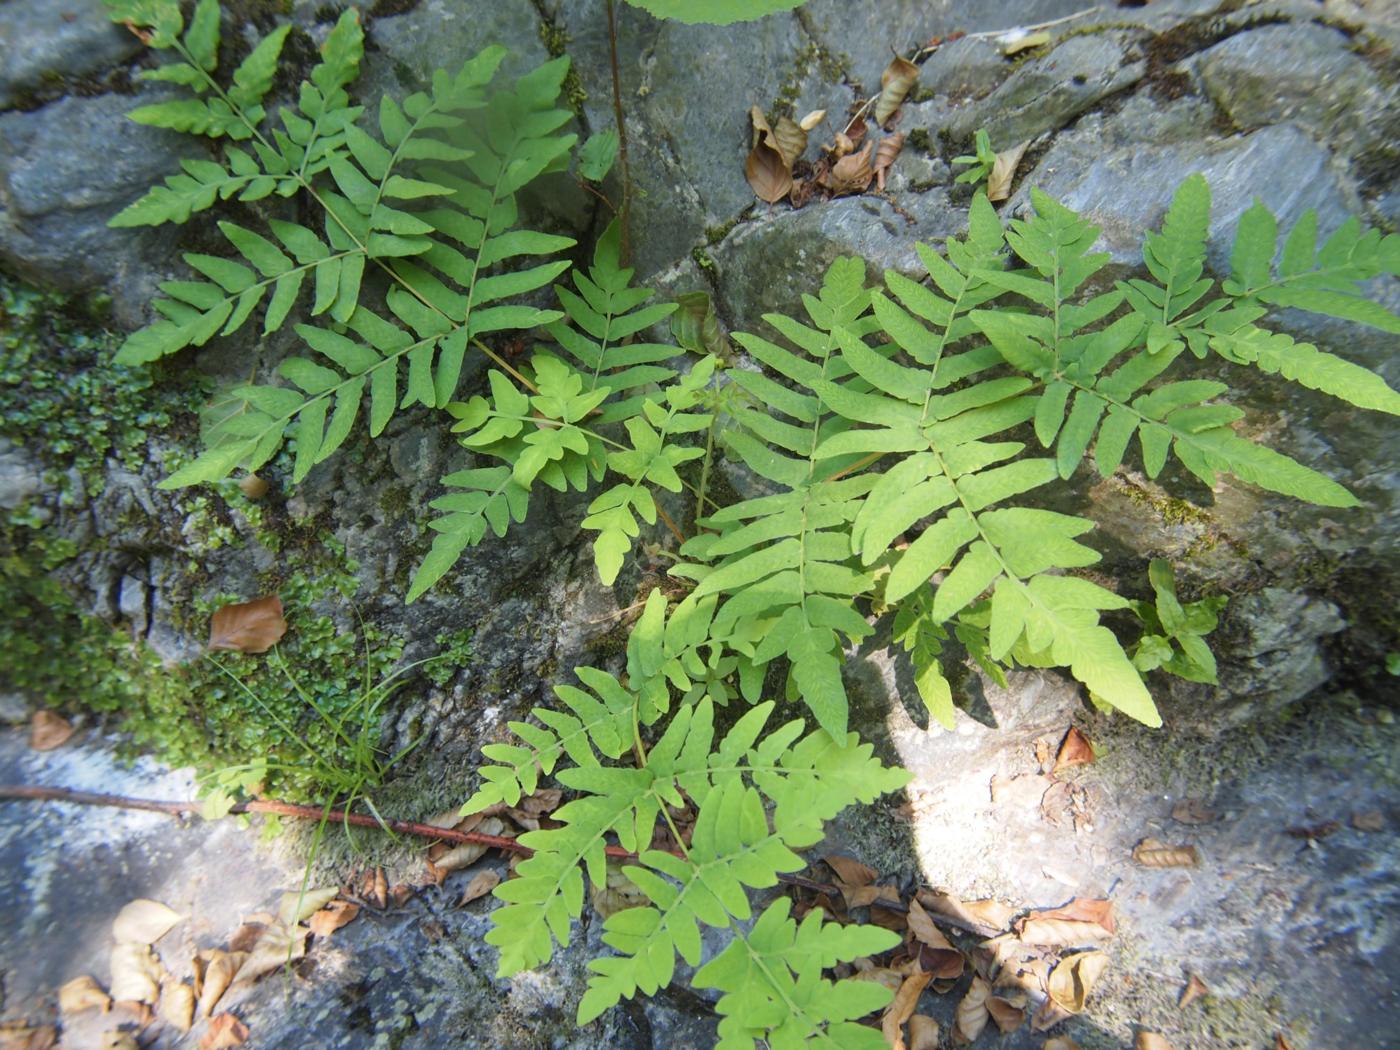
[
  {"x": 982, "y": 159},
  {"x": 1174, "y": 634}
]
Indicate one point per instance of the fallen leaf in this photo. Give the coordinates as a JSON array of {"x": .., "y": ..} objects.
[
  {"x": 1280, "y": 1043},
  {"x": 618, "y": 894},
  {"x": 546, "y": 800},
  {"x": 1082, "y": 921},
  {"x": 986, "y": 917},
  {"x": 851, "y": 174},
  {"x": 277, "y": 946},
  {"x": 1058, "y": 802},
  {"x": 144, "y": 922},
  {"x": 48, "y": 731},
  {"x": 1008, "y": 1012},
  {"x": 923, "y": 1033},
  {"x": 252, "y": 486},
  {"x": 1049, "y": 1015},
  {"x": 1193, "y": 811},
  {"x": 902, "y": 1008},
  {"x": 224, "y": 1031},
  {"x": 135, "y": 973},
  {"x": 769, "y": 177},
  {"x": 972, "y": 1014},
  {"x": 864, "y": 896},
  {"x": 176, "y": 1005},
  {"x": 1042, "y": 754},
  {"x": 1195, "y": 988},
  {"x": 483, "y": 882},
  {"x": 82, "y": 993},
  {"x": 1021, "y": 40},
  {"x": 1150, "y": 1041},
  {"x": 379, "y": 885},
  {"x": 936, "y": 955},
  {"x": 812, "y": 119},
  {"x": 1074, "y": 978},
  {"x": 1371, "y": 820},
  {"x": 851, "y": 871},
  {"x": 248, "y": 627},
  {"x": 895, "y": 83},
  {"x": 247, "y": 935},
  {"x": 119, "y": 1041},
  {"x": 885, "y": 155},
  {"x": 19, "y": 1036},
  {"x": 453, "y": 858},
  {"x": 332, "y": 917},
  {"x": 214, "y": 972},
  {"x": 891, "y": 979},
  {"x": 695, "y": 326},
  {"x": 1061, "y": 1042},
  {"x": 999, "y": 180},
  {"x": 401, "y": 893},
  {"x": 297, "y": 905},
  {"x": 1151, "y": 853},
  {"x": 1075, "y": 749},
  {"x": 789, "y": 139}
]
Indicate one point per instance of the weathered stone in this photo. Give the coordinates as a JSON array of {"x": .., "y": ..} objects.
[
  {"x": 47, "y": 44},
  {"x": 1304, "y": 75},
  {"x": 20, "y": 477}
]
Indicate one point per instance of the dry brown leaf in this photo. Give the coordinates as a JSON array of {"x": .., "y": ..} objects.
[
  {"x": 1075, "y": 749},
  {"x": 896, "y": 82},
  {"x": 225, "y": 1031},
  {"x": 812, "y": 119},
  {"x": 296, "y": 905},
  {"x": 999, "y": 183},
  {"x": 144, "y": 922},
  {"x": 1008, "y": 1012},
  {"x": 135, "y": 973},
  {"x": 453, "y": 858},
  {"x": 923, "y": 1033},
  {"x": 902, "y": 1008},
  {"x": 986, "y": 917},
  {"x": 619, "y": 893},
  {"x": 252, "y": 486},
  {"x": 1074, "y": 978},
  {"x": 1061, "y": 1042},
  {"x": 332, "y": 917},
  {"x": 483, "y": 882},
  {"x": 18, "y": 1036},
  {"x": 1021, "y": 40},
  {"x": 82, "y": 993},
  {"x": 850, "y": 174},
  {"x": 789, "y": 139},
  {"x": 48, "y": 731},
  {"x": 767, "y": 174},
  {"x": 1049, "y": 1015},
  {"x": 1151, "y": 853},
  {"x": 936, "y": 955},
  {"x": 248, "y": 627},
  {"x": 1084, "y": 920},
  {"x": 277, "y": 946},
  {"x": 1371, "y": 820},
  {"x": 378, "y": 888},
  {"x": 1042, "y": 754},
  {"x": 1280, "y": 1043},
  {"x": 1195, "y": 988},
  {"x": 885, "y": 155},
  {"x": 1193, "y": 811},
  {"x": 863, "y": 896},
  {"x": 214, "y": 972},
  {"x": 972, "y": 1014},
  {"x": 851, "y": 871},
  {"x": 546, "y": 800},
  {"x": 1150, "y": 1041},
  {"x": 176, "y": 1005}
]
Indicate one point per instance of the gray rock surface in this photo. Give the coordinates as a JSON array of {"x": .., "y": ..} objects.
[{"x": 48, "y": 44}]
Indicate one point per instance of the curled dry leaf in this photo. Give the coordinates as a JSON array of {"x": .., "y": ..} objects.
[
  {"x": 1281, "y": 1043},
  {"x": 1021, "y": 40},
  {"x": 19, "y": 1036},
  {"x": 546, "y": 800},
  {"x": 48, "y": 731},
  {"x": 1075, "y": 749},
  {"x": 1193, "y": 811},
  {"x": 332, "y": 917},
  {"x": 769, "y": 174},
  {"x": 789, "y": 139},
  {"x": 1002, "y": 173},
  {"x": 277, "y": 946},
  {"x": 1074, "y": 978},
  {"x": 214, "y": 972},
  {"x": 135, "y": 973},
  {"x": 247, "y": 935},
  {"x": 377, "y": 887},
  {"x": 483, "y": 882},
  {"x": 1083, "y": 920},
  {"x": 619, "y": 893},
  {"x": 176, "y": 1007},
  {"x": 1150, "y": 1041},
  {"x": 1061, "y": 1042},
  {"x": 863, "y": 896},
  {"x": 812, "y": 119},
  {"x": 252, "y": 486},
  {"x": 850, "y": 174},
  {"x": 923, "y": 1033},
  {"x": 885, "y": 155},
  {"x": 986, "y": 917},
  {"x": 1151, "y": 853},
  {"x": 144, "y": 922},
  {"x": 938, "y": 957},
  {"x": 972, "y": 1014},
  {"x": 1008, "y": 1012},
  {"x": 851, "y": 871},
  {"x": 902, "y": 1006},
  {"x": 82, "y": 993},
  {"x": 224, "y": 1031},
  {"x": 297, "y": 905},
  {"x": 1195, "y": 988},
  {"x": 248, "y": 627},
  {"x": 896, "y": 82}
]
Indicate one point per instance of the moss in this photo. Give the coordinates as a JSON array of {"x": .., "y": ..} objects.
[
  {"x": 556, "y": 41},
  {"x": 703, "y": 259},
  {"x": 454, "y": 652},
  {"x": 919, "y": 139},
  {"x": 715, "y": 234},
  {"x": 63, "y": 399}
]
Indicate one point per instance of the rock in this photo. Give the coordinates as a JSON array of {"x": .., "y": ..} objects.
[
  {"x": 1045, "y": 92},
  {"x": 47, "y": 44},
  {"x": 964, "y": 70},
  {"x": 55, "y": 200},
  {"x": 14, "y": 709},
  {"x": 1306, "y": 75},
  {"x": 20, "y": 477}
]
